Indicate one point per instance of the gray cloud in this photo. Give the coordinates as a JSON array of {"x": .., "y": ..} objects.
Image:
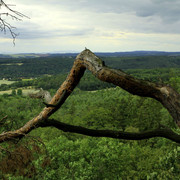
[
  {"x": 38, "y": 34},
  {"x": 163, "y": 15},
  {"x": 168, "y": 11},
  {"x": 159, "y": 13},
  {"x": 165, "y": 9},
  {"x": 101, "y": 24}
]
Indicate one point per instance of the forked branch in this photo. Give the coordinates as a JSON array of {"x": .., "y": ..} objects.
[
  {"x": 12, "y": 14},
  {"x": 169, "y": 98}
]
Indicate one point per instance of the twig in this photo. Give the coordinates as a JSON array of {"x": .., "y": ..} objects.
[{"x": 14, "y": 15}]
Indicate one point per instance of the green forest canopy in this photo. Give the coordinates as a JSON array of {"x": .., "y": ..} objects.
[{"x": 82, "y": 157}]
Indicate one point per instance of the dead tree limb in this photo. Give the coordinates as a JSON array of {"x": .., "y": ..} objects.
[
  {"x": 166, "y": 95},
  {"x": 169, "y": 98},
  {"x": 13, "y": 15},
  {"x": 161, "y": 132}
]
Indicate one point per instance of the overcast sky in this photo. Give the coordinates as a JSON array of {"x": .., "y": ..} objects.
[{"x": 100, "y": 25}]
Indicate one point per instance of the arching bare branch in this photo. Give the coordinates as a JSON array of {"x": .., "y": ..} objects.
[{"x": 169, "y": 98}]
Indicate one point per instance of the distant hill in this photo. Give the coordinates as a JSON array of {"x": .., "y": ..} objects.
[
  {"x": 4, "y": 56},
  {"x": 23, "y": 55},
  {"x": 139, "y": 53},
  {"x": 102, "y": 54},
  {"x": 142, "y": 62},
  {"x": 35, "y": 65}
]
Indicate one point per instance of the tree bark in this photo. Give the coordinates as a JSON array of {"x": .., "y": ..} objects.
[
  {"x": 161, "y": 132},
  {"x": 169, "y": 98},
  {"x": 166, "y": 95}
]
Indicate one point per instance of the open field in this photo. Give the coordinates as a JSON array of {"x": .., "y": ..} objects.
[
  {"x": 12, "y": 64},
  {"x": 27, "y": 79},
  {"x": 25, "y": 92},
  {"x": 6, "y": 82},
  {"x": 29, "y": 91},
  {"x": 24, "y": 55}
]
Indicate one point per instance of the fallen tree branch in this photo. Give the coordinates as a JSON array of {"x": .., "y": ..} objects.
[
  {"x": 68, "y": 86},
  {"x": 169, "y": 98},
  {"x": 166, "y": 95},
  {"x": 161, "y": 132}
]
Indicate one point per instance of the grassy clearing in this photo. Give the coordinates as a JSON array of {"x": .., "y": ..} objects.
[
  {"x": 29, "y": 91},
  {"x": 12, "y": 64},
  {"x": 5, "y": 92},
  {"x": 6, "y": 82},
  {"x": 27, "y": 79},
  {"x": 23, "y": 55},
  {"x": 25, "y": 92}
]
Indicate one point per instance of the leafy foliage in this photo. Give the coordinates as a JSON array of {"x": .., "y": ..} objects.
[
  {"x": 71, "y": 156},
  {"x": 93, "y": 104},
  {"x": 15, "y": 68}
]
